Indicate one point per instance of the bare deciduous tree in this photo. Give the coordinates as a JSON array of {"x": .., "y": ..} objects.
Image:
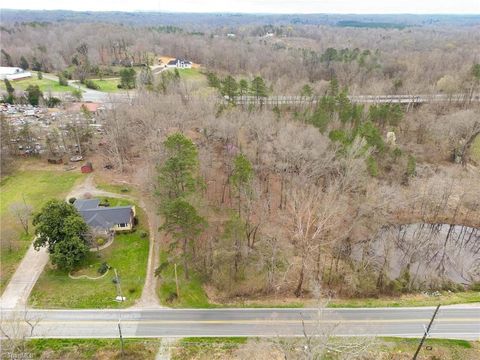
[{"x": 23, "y": 212}]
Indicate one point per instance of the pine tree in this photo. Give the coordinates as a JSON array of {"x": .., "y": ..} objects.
[{"x": 258, "y": 87}]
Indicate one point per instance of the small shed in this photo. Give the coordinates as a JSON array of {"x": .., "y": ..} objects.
[{"x": 87, "y": 168}]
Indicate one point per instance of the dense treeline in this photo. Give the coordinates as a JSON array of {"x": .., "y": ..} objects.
[
  {"x": 412, "y": 60},
  {"x": 206, "y": 21}
]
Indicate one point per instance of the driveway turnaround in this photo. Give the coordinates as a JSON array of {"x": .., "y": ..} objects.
[{"x": 451, "y": 322}]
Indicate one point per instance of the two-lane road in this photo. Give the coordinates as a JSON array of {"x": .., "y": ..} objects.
[{"x": 451, "y": 322}]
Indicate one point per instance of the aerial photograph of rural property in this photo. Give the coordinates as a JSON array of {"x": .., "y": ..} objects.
[{"x": 240, "y": 180}]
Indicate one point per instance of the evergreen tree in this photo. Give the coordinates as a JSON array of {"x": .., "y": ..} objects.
[
  {"x": 213, "y": 80},
  {"x": 243, "y": 87},
  {"x": 183, "y": 222},
  {"x": 229, "y": 88},
  {"x": 9, "y": 87},
  {"x": 178, "y": 175},
  {"x": 33, "y": 95},
  {"x": 241, "y": 177},
  {"x": 306, "y": 91},
  {"x": 127, "y": 78},
  {"x": 24, "y": 63},
  {"x": 258, "y": 87}
]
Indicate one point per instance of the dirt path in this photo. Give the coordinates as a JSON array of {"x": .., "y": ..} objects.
[{"x": 149, "y": 297}]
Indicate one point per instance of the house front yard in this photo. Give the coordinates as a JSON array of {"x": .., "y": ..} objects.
[
  {"x": 36, "y": 187},
  {"x": 128, "y": 254}
]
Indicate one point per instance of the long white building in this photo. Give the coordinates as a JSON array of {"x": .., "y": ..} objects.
[{"x": 13, "y": 73}]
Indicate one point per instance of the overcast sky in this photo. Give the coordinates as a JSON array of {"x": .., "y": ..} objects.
[{"x": 261, "y": 6}]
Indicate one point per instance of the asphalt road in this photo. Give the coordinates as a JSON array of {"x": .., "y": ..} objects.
[{"x": 451, "y": 322}]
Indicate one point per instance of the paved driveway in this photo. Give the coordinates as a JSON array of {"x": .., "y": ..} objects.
[{"x": 22, "y": 282}]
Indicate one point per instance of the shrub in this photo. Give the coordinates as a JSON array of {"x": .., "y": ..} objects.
[
  {"x": 105, "y": 203},
  {"x": 91, "y": 85},
  {"x": 62, "y": 80},
  {"x": 103, "y": 268},
  {"x": 475, "y": 286},
  {"x": 143, "y": 234},
  {"x": 100, "y": 241},
  {"x": 52, "y": 101},
  {"x": 411, "y": 166},
  {"x": 124, "y": 190},
  {"x": 72, "y": 200},
  {"x": 77, "y": 94},
  {"x": 132, "y": 290},
  {"x": 372, "y": 166}
]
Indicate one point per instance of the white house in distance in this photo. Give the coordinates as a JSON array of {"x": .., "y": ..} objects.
[
  {"x": 13, "y": 73},
  {"x": 179, "y": 64}
]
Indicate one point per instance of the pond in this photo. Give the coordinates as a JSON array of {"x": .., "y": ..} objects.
[{"x": 434, "y": 252}]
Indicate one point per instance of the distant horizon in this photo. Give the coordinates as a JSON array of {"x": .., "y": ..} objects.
[
  {"x": 245, "y": 13},
  {"x": 266, "y": 7}
]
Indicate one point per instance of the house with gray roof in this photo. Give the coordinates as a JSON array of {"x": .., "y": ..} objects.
[{"x": 105, "y": 218}]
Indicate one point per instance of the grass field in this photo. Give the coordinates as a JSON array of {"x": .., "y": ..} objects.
[
  {"x": 86, "y": 349},
  {"x": 37, "y": 187},
  {"x": 125, "y": 189},
  {"x": 128, "y": 254},
  {"x": 190, "y": 74},
  {"x": 108, "y": 85},
  {"x": 44, "y": 84},
  {"x": 191, "y": 291}
]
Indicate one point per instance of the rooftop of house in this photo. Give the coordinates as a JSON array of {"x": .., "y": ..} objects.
[
  {"x": 174, "y": 61},
  {"x": 101, "y": 216}
]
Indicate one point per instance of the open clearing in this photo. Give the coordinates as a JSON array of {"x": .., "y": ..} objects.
[
  {"x": 45, "y": 85},
  {"x": 128, "y": 254},
  {"x": 108, "y": 85},
  {"x": 37, "y": 187}
]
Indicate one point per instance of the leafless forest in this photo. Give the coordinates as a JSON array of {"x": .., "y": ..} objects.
[
  {"x": 414, "y": 59},
  {"x": 327, "y": 182}
]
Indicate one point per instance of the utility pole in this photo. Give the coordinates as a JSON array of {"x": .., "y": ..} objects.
[
  {"x": 176, "y": 279},
  {"x": 426, "y": 333},
  {"x": 119, "y": 293}
]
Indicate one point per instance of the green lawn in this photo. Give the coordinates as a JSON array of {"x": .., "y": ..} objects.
[
  {"x": 128, "y": 254},
  {"x": 37, "y": 187},
  {"x": 475, "y": 150},
  {"x": 44, "y": 84},
  {"x": 193, "y": 74},
  {"x": 108, "y": 85},
  {"x": 86, "y": 349},
  {"x": 191, "y": 291}
]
